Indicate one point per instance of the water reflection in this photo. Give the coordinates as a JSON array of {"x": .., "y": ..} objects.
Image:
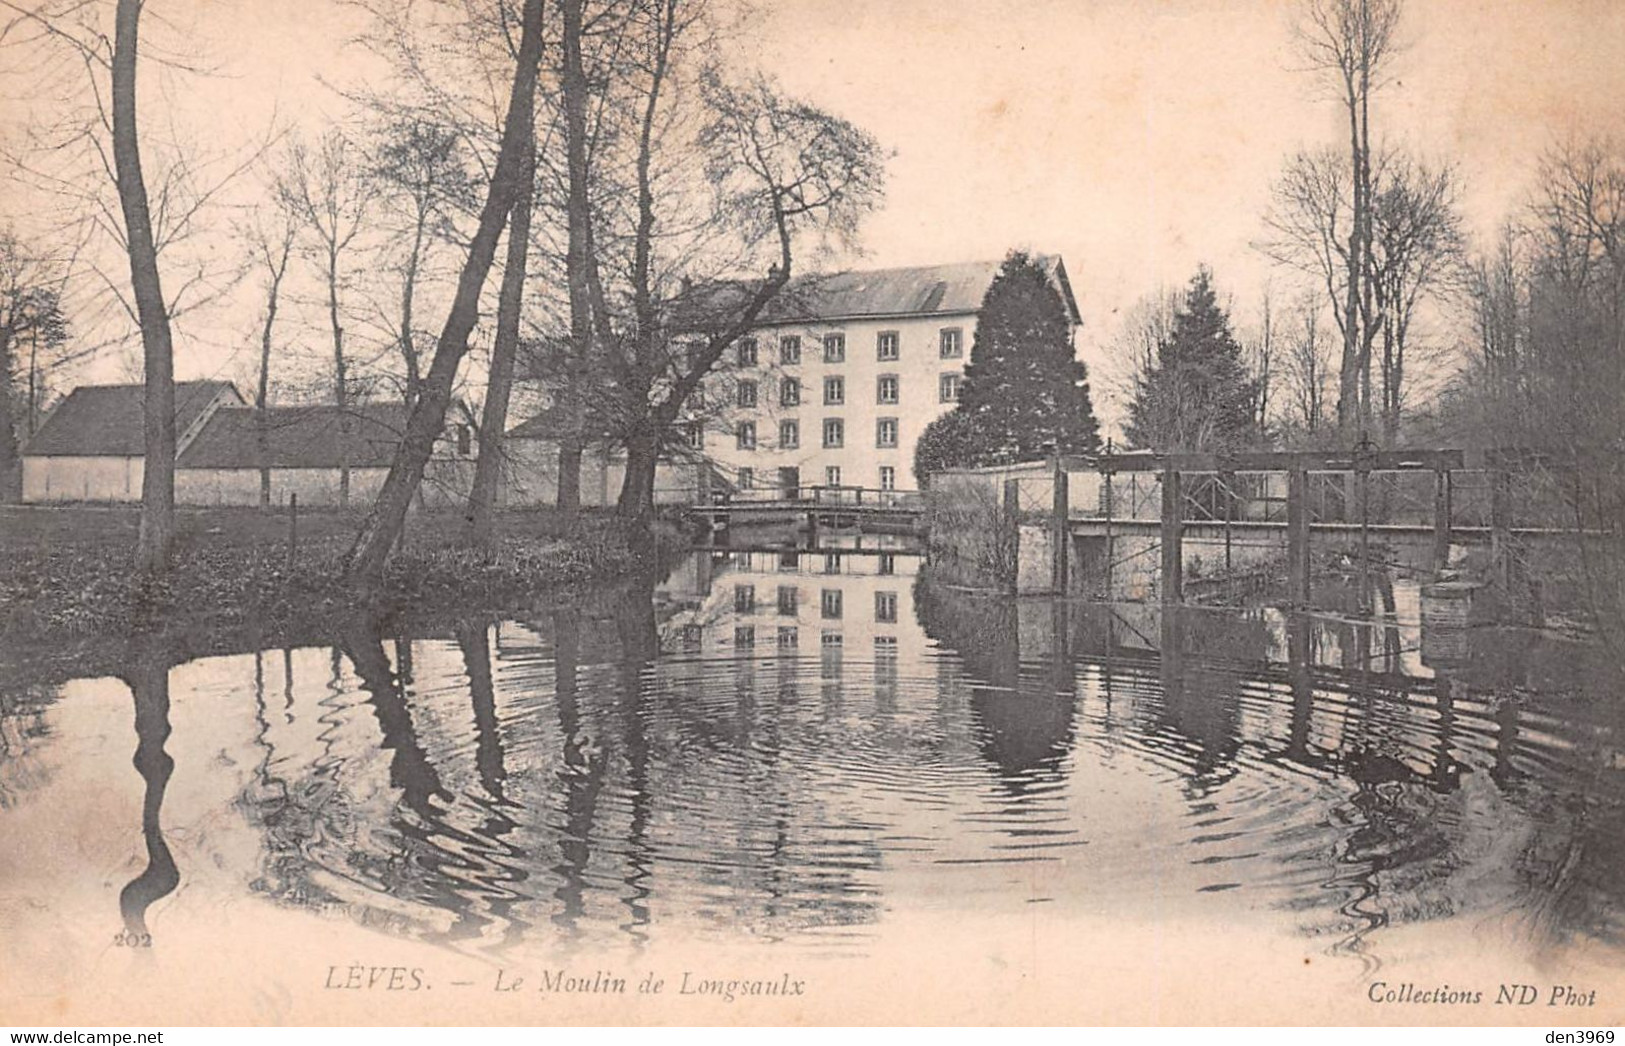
[
  {"x": 787, "y": 745},
  {"x": 148, "y": 681}
]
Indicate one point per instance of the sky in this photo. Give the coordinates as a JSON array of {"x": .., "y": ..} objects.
[{"x": 1136, "y": 139}]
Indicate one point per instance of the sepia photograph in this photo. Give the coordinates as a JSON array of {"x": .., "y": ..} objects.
[{"x": 812, "y": 512}]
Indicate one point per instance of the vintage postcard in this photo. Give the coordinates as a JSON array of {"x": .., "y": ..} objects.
[{"x": 649, "y": 512}]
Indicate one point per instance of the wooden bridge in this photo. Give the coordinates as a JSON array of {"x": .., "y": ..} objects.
[
  {"x": 1427, "y": 499},
  {"x": 814, "y": 508}
]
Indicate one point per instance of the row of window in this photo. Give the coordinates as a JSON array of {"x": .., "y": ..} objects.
[
  {"x": 832, "y": 478},
  {"x": 790, "y": 637},
  {"x": 950, "y": 346},
  {"x": 888, "y": 389},
  {"x": 829, "y": 601},
  {"x": 834, "y": 433}
]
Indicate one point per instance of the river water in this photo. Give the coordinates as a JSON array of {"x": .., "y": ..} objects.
[{"x": 819, "y": 757}]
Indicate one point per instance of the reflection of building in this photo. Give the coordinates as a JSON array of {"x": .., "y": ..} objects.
[{"x": 750, "y": 603}]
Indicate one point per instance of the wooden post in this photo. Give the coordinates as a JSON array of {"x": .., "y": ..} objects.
[
  {"x": 1227, "y": 489},
  {"x": 293, "y": 528},
  {"x": 1441, "y": 519},
  {"x": 1173, "y": 539},
  {"x": 1501, "y": 527},
  {"x": 1297, "y": 537},
  {"x": 1106, "y": 477},
  {"x": 1362, "y": 488},
  {"x": 1011, "y": 525},
  {"x": 1060, "y": 529}
]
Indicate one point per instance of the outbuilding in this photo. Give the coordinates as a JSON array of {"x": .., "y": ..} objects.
[{"x": 92, "y": 447}]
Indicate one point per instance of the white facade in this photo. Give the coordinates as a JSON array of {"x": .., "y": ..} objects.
[
  {"x": 862, "y": 392},
  {"x": 533, "y": 476},
  {"x": 100, "y": 478}
]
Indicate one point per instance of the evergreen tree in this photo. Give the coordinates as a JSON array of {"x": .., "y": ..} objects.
[
  {"x": 1025, "y": 391},
  {"x": 1197, "y": 395}
]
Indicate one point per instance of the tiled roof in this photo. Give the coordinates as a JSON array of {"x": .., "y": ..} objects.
[
  {"x": 107, "y": 420},
  {"x": 322, "y": 436},
  {"x": 877, "y": 293}
]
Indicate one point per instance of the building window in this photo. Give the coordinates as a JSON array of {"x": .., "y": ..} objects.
[
  {"x": 832, "y": 475},
  {"x": 745, "y": 435},
  {"x": 886, "y": 607},
  {"x": 790, "y": 349},
  {"x": 747, "y": 352},
  {"x": 953, "y": 343},
  {"x": 744, "y": 635},
  {"x": 789, "y": 598},
  {"x": 694, "y": 434},
  {"x": 888, "y": 477},
  {"x": 692, "y": 636},
  {"x": 788, "y": 635},
  {"x": 789, "y": 434},
  {"x": 747, "y": 479},
  {"x": 886, "y": 345},
  {"x": 948, "y": 388},
  {"x": 888, "y": 564},
  {"x": 746, "y": 394},
  {"x": 829, "y": 603},
  {"x": 834, "y": 348},
  {"x": 886, "y": 388},
  {"x": 789, "y": 562},
  {"x": 885, "y": 432},
  {"x": 832, "y": 562},
  {"x": 790, "y": 392},
  {"x": 834, "y": 391},
  {"x": 744, "y": 599},
  {"x": 834, "y": 432}
]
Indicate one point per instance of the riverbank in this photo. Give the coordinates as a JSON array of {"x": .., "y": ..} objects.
[{"x": 66, "y": 574}]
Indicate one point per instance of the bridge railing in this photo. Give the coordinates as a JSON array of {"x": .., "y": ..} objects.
[{"x": 824, "y": 494}]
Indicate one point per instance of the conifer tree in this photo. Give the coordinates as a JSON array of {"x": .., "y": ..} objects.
[
  {"x": 1198, "y": 394},
  {"x": 1025, "y": 391}
]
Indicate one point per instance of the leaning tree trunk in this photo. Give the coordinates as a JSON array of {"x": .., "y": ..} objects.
[
  {"x": 482, "y": 499},
  {"x": 365, "y": 563},
  {"x": 158, "y": 352}
]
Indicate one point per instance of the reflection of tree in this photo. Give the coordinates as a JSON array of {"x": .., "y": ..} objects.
[
  {"x": 1204, "y": 660},
  {"x": 148, "y": 680},
  {"x": 505, "y": 870},
  {"x": 581, "y": 775},
  {"x": 1026, "y": 725},
  {"x": 640, "y": 644}
]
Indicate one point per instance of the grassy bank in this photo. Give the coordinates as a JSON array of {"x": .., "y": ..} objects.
[{"x": 67, "y": 573}]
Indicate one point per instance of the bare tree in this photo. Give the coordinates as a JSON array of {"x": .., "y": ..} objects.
[
  {"x": 424, "y": 185},
  {"x": 505, "y": 347},
  {"x": 271, "y": 243},
  {"x": 1261, "y": 359},
  {"x": 332, "y": 193},
  {"x": 30, "y": 310},
  {"x": 1351, "y": 43},
  {"x": 1306, "y": 369},
  {"x": 1416, "y": 251},
  {"x": 365, "y": 562},
  {"x": 158, "y": 357},
  {"x": 778, "y": 167}
]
